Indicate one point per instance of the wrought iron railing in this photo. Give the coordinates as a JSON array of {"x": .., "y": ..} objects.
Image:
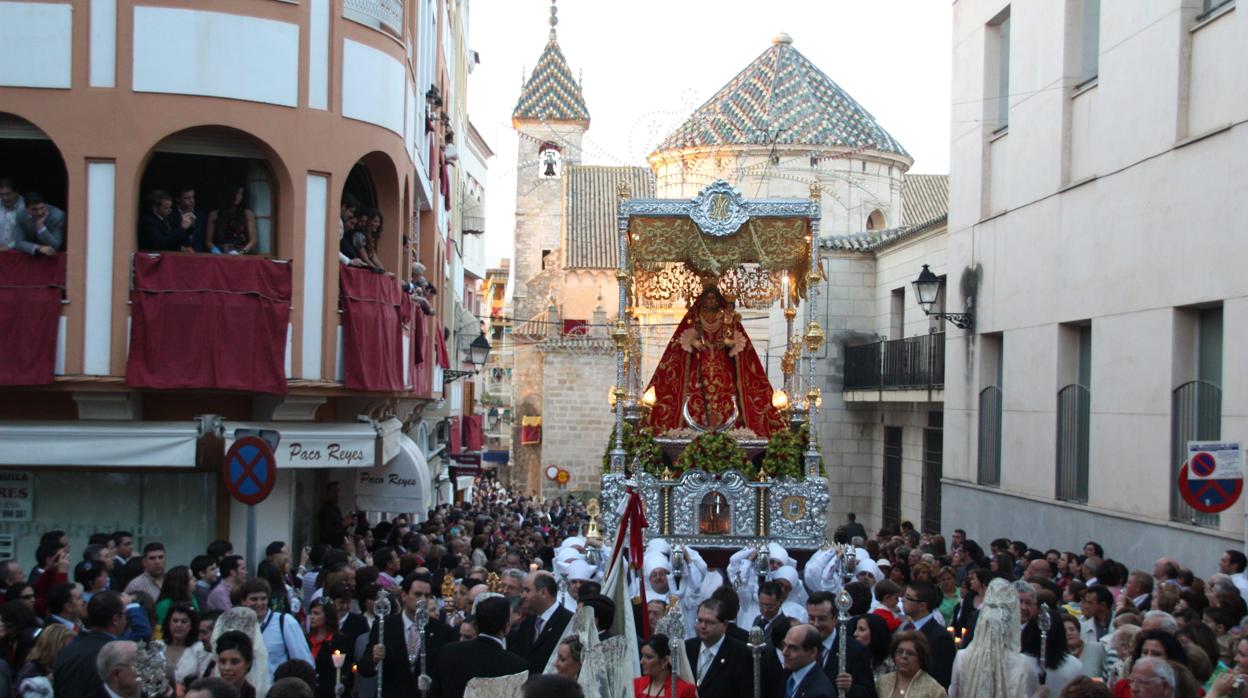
[
  {"x": 897, "y": 364},
  {"x": 1195, "y": 415},
  {"x": 990, "y": 436},
  {"x": 381, "y": 14},
  {"x": 1074, "y": 422}
]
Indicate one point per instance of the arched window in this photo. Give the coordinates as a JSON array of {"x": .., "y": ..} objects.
[
  {"x": 714, "y": 515},
  {"x": 875, "y": 221}
]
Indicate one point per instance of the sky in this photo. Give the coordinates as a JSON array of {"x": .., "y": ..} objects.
[{"x": 645, "y": 65}]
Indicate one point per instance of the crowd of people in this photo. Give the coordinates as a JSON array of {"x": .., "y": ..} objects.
[
  {"x": 510, "y": 587},
  {"x": 29, "y": 223}
]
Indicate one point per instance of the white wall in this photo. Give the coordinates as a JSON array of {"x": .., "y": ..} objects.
[
  {"x": 373, "y": 86},
  {"x": 35, "y": 44},
  {"x": 1160, "y": 227},
  {"x": 215, "y": 55}
]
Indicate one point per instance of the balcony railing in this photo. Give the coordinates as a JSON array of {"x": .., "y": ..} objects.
[
  {"x": 897, "y": 364},
  {"x": 386, "y": 15}
]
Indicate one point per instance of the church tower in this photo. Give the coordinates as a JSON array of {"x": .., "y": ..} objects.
[{"x": 550, "y": 119}]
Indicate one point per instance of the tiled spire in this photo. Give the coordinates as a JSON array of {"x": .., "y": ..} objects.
[{"x": 551, "y": 92}]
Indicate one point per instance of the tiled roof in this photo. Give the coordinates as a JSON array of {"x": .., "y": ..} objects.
[
  {"x": 785, "y": 99},
  {"x": 590, "y": 237},
  {"x": 551, "y": 93},
  {"x": 924, "y": 197},
  {"x": 924, "y": 206}
]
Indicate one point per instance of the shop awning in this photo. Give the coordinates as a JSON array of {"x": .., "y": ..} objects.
[
  {"x": 326, "y": 444},
  {"x": 105, "y": 444},
  {"x": 401, "y": 486}
]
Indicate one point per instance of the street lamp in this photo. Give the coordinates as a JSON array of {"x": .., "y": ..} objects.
[
  {"x": 476, "y": 354},
  {"x": 927, "y": 290}
]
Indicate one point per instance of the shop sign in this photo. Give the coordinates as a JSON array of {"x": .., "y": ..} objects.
[{"x": 17, "y": 496}]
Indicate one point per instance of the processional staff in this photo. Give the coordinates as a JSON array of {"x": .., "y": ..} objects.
[
  {"x": 756, "y": 648},
  {"x": 1045, "y": 623},
  {"x": 843, "y": 602},
  {"x": 422, "y": 620},
  {"x": 381, "y": 609}
]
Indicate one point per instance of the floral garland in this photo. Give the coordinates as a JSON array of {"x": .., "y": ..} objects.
[
  {"x": 638, "y": 443},
  {"x": 715, "y": 453},
  {"x": 785, "y": 454}
]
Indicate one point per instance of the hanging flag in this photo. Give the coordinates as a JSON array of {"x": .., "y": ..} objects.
[{"x": 531, "y": 430}]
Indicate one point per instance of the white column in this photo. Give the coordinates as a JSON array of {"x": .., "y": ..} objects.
[
  {"x": 97, "y": 334},
  {"x": 314, "y": 252},
  {"x": 318, "y": 54},
  {"x": 103, "y": 51}
]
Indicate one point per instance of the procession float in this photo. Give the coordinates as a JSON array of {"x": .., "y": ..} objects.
[{"x": 718, "y": 457}]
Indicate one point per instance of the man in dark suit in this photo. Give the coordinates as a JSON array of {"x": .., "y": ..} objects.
[
  {"x": 485, "y": 656},
  {"x": 539, "y": 634},
  {"x": 400, "y": 677},
  {"x": 770, "y": 596},
  {"x": 190, "y": 219},
  {"x": 853, "y": 529},
  {"x": 350, "y": 625},
  {"x": 76, "y": 671},
  {"x": 158, "y": 231},
  {"x": 858, "y": 678},
  {"x": 722, "y": 666},
  {"x": 801, "y": 659},
  {"x": 918, "y": 602}
]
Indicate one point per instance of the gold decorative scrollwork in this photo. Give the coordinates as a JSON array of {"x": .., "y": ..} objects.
[{"x": 748, "y": 285}]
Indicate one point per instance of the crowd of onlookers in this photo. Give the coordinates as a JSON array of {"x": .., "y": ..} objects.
[
  {"x": 501, "y": 578},
  {"x": 29, "y": 223}
]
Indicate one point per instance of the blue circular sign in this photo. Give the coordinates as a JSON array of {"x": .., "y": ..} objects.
[{"x": 250, "y": 470}]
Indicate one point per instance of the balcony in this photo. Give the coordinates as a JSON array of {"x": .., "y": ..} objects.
[
  {"x": 383, "y": 15},
  {"x": 898, "y": 370}
]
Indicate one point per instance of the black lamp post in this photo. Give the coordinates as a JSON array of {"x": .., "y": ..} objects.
[
  {"x": 927, "y": 290},
  {"x": 476, "y": 353}
]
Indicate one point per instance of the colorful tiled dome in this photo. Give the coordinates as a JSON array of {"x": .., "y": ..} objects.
[{"x": 782, "y": 98}]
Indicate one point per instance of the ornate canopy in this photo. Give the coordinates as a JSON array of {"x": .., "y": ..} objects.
[{"x": 745, "y": 246}]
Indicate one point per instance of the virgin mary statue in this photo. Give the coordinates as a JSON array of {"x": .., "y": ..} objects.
[{"x": 711, "y": 373}]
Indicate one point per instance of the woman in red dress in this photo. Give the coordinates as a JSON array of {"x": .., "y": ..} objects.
[{"x": 656, "y": 670}]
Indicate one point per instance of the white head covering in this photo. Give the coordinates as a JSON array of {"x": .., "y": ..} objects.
[
  {"x": 243, "y": 619},
  {"x": 798, "y": 591},
  {"x": 656, "y": 561},
  {"x": 996, "y": 640},
  {"x": 777, "y": 552},
  {"x": 869, "y": 566},
  {"x": 579, "y": 569},
  {"x": 883, "y": 562},
  {"x": 658, "y": 545},
  {"x": 573, "y": 540}
]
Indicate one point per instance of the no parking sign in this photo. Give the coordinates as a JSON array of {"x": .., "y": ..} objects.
[
  {"x": 250, "y": 470},
  {"x": 1212, "y": 478}
]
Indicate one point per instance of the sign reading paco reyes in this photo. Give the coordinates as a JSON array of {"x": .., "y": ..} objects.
[{"x": 17, "y": 496}]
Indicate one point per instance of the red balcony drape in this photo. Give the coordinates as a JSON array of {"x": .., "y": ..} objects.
[
  {"x": 207, "y": 321},
  {"x": 456, "y": 445},
  {"x": 30, "y": 308},
  {"x": 372, "y": 330},
  {"x": 439, "y": 347},
  {"x": 473, "y": 438},
  {"x": 422, "y": 371}
]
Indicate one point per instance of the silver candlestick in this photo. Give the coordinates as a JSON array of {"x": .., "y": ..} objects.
[
  {"x": 381, "y": 609},
  {"x": 843, "y": 602}
]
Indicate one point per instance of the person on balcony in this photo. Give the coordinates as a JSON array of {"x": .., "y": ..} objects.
[
  {"x": 158, "y": 231},
  {"x": 11, "y": 204},
  {"x": 346, "y": 224},
  {"x": 232, "y": 227},
  {"x": 189, "y": 218},
  {"x": 41, "y": 227}
]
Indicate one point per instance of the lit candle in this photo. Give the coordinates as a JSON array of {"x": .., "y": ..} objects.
[
  {"x": 784, "y": 290},
  {"x": 532, "y": 566},
  {"x": 338, "y": 660}
]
